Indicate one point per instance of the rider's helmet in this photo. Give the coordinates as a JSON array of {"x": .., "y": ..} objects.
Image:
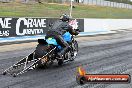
[{"x": 64, "y": 18}]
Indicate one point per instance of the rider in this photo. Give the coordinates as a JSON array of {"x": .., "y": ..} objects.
[{"x": 58, "y": 29}]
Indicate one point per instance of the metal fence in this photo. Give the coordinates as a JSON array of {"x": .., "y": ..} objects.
[
  {"x": 106, "y": 3},
  {"x": 96, "y": 2}
]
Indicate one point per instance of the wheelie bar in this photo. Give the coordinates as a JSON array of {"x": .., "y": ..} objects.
[{"x": 24, "y": 65}]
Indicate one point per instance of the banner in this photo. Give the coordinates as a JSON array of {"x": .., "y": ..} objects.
[{"x": 13, "y": 27}]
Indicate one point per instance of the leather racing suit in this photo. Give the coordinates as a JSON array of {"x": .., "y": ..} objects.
[{"x": 57, "y": 30}]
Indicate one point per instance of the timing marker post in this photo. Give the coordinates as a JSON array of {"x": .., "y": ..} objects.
[{"x": 71, "y": 8}]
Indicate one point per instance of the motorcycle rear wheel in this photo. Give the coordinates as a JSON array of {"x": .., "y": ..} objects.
[{"x": 60, "y": 62}]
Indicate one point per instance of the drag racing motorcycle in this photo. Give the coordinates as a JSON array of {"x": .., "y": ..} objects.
[
  {"x": 46, "y": 56},
  {"x": 53, "y": 47}
]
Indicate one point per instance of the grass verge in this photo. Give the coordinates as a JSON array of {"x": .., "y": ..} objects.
[{"x": 54, "y": 10}]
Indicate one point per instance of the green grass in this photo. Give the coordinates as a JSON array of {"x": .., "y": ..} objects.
[{"x": 55, "y": 10}]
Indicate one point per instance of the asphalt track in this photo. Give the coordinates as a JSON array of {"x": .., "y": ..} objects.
[{"x": 105, "y": 56}]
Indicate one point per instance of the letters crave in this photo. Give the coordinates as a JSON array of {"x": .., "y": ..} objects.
[{"x": 5, "y": 22}]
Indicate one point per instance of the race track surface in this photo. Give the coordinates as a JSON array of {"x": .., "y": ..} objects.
[{"x": 105, "y": 56}]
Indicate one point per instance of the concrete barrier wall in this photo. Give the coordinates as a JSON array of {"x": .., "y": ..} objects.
[
  {"x": 88, "y": 26},
  {"x": 95, "y": 25}
]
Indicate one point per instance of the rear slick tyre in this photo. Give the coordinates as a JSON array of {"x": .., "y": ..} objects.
[
  {"x": 60, "y": 62},
  {"x": 4, "y": 73}
]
